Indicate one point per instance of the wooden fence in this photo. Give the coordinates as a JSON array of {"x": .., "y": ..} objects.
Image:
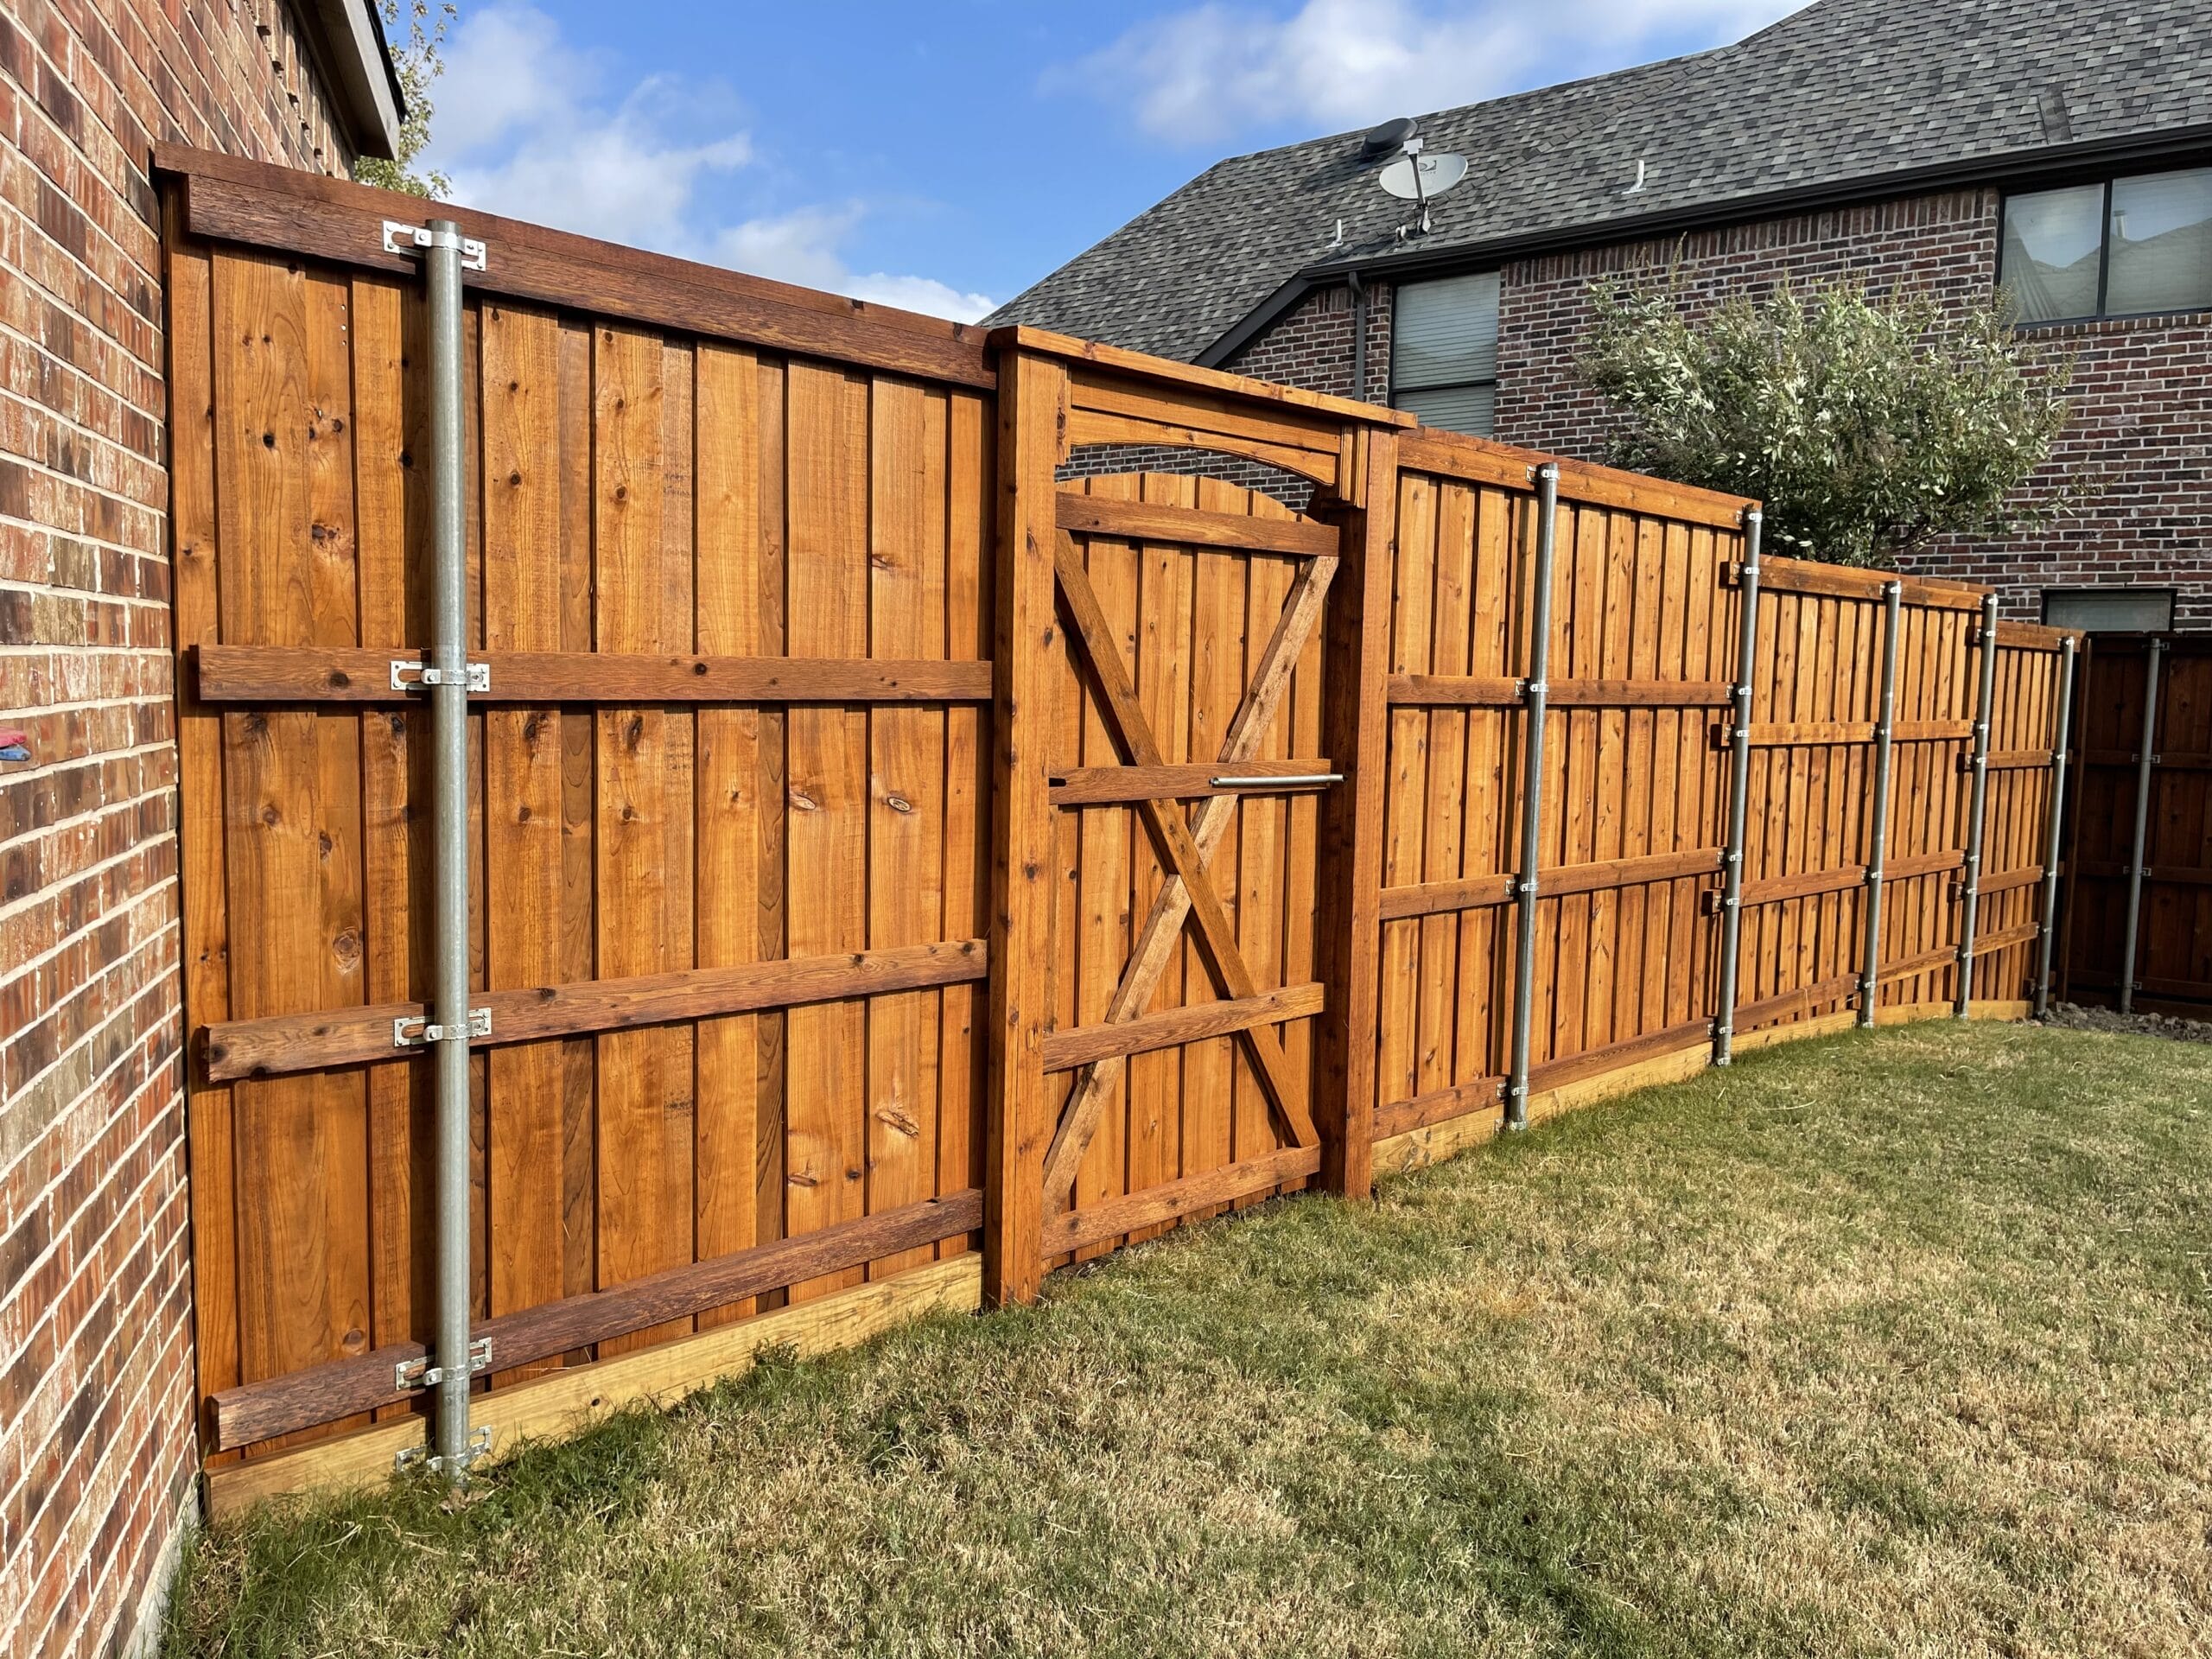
[
  {"x": 2158, "y": 801},
  {"x": 896, "y": 870}
]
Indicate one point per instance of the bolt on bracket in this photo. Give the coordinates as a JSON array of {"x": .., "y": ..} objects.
[
  {"x": 408, "y": 676},
  {"x": 479, "y": 1446},
  {"x": 421, "y": 1374},
  {"x": 413, "y": 1030},
  {"x": 400, "y": 237}
]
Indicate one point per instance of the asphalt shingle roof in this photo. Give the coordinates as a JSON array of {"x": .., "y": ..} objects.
[{"x": 1843, "y": 91}]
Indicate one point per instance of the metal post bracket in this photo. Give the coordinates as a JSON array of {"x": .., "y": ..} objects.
[
  {"x": 414, "y": 1030},
  {"x": 409, "y": 676},
  {"x": 400, "y": 237},
  {"x": 421, "y": 1374},
  {"x": 479, "y": 1447}
]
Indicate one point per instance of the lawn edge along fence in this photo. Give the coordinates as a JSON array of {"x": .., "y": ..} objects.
[{"x": 851, "y": 852}]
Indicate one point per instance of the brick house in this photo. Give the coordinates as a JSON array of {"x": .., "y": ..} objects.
[
  {"x": 98, "y": 1456},
  {"x": 2063, "y": 150}
]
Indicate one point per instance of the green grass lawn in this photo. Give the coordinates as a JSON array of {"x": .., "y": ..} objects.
[{"x": 1897, "y": 1343}]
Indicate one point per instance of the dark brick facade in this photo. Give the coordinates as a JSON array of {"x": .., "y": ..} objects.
[
  {"x": 97, "y": 1448},
  {"x": 2142, "y": 428}
]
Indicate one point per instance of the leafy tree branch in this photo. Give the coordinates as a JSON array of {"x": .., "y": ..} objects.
[
  {"x": 1866, "y": 425},
  {"x": 416, "y": 30}
]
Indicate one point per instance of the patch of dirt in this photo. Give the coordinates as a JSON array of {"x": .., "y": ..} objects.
[{"x": 2140, "y": 1025}]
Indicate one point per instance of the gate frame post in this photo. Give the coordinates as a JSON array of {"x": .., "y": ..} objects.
[
  {"x": 1355, "y": 735},
  {"x": 1536, "y": 693},
  {"x": 2051, "y": 852},
  {"x": 1870, "y": 976},
  {"x": 1032, "y": 412},
  {"x": 2145, "y": 761},
  {"x": 1978, "y": 811},
  {"x": 1739, "y": 791}
]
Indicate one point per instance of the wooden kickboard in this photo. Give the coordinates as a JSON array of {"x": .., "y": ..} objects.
[
  {"x": 562, "y": 1403},
  {"x": 1418, "y": 1148}
]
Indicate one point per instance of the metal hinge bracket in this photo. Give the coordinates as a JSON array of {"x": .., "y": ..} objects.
[
  {"x": 479, "y": 1446},
  {"x": 408, "y": 676},
  {"x": 421, "y": 1374},
  {"x": 413, "y": 1030},
  {"x": 400, "y": 237}
]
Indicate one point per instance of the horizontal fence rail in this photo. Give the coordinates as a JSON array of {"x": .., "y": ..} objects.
[{"x": 896, "y": 866}]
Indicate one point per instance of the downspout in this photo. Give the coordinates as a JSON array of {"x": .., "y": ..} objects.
[{"x": 1358, "y": 338}]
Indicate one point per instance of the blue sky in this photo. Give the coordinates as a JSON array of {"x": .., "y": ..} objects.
[{"x": 945, "y": 156}]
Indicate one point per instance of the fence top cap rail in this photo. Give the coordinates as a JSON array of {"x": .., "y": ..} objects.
[
  {"x": 1022, "y": 337},
  {"x": 1921, "y": 589},
  {"x": 594, "y": 268},
  {"x": 1579, "y": 482}
]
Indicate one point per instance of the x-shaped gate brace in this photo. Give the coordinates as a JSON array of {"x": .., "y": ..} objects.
[{"x": 1183, "y": 847}]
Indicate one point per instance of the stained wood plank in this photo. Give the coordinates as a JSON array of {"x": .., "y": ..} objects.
[
  {"x": 643, "y": 830},
  {"x": 904, "y": 825},
  {"x": 727, "y": 805},
  {"x": 827, "y": 791},
  {"x": 1223, "y": 1185},
  {"x": 1143, "y": 521},
  {"x": 1032, "y": 401},
  {"x": 328, "y": 1393},
  {"x": 968, "y": 621},
  {"x": 519, "y": 396},
  {"x": 292, "y": 817},
  {"x": 230, "y": 199},
  {"x": 195, "y": 543},
  {"x": 1092, "y": 786},
  {"x": 278, "y": 674}
]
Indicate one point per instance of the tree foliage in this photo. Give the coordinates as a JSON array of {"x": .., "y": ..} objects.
[
  {"x": 1866, "y": 425},
  {"x": 417, "y": 32}
]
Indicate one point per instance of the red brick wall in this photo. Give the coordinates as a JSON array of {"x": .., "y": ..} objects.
[
  {"x": 2142, "y": 428},
  {"x": 1311, "y": 345},
  {"x": 96, "y": 1452}
]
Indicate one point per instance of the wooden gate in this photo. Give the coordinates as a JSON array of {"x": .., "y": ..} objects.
[
  {"x": 1198, "y": 961},
  {"x": 2171, "y": 798}
]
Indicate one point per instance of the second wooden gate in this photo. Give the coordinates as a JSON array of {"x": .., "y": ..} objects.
[{"x": 2158, "y": 798}]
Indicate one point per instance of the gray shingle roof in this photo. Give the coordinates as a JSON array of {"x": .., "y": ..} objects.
[{"x": 1843, "y": 91}]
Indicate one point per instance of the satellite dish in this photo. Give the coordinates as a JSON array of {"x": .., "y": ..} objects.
[{"x": 1425, "y": 177}]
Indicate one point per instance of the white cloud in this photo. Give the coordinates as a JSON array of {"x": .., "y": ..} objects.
[
  {"x": 509, "y": 67},
  {"x": 522, "y": 131},
  {"x": 1201, "y": 76},
  {"x": 803, "y": 247}
]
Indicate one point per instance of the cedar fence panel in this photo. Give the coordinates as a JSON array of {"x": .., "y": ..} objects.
[{"x": 882, "y": 847}]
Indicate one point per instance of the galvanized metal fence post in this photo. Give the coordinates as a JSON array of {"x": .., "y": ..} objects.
[
  {"x": 2144, "y": 760},
  {"x": 450, "y": 812},
  {"x": 1978, "y": 812},
  {"x": 2050, "y": 848},
  {"x": 1535, "y": 694},
  {"x": 1870, "y": 975},
  {"x": 1739, "y": 790}
]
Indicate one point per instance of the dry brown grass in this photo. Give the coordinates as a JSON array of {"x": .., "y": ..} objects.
[{"x": 1886, "y": 1345}]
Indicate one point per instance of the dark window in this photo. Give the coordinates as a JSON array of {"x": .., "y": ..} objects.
[
  {"x": 2109, "y": 610},
  {"x": 1443, "y": 352},
  {"x": 2129, "y": 247}
]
